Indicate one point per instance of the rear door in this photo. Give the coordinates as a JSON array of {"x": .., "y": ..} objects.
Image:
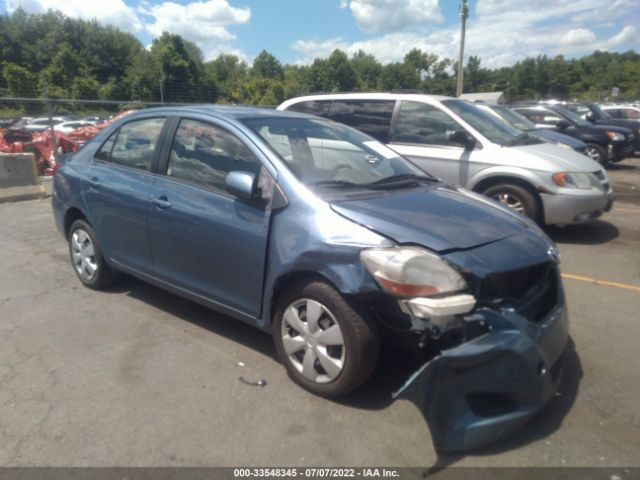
[
  {"x": 117, "y": 189},
  {"x": 204, "y": 240}
]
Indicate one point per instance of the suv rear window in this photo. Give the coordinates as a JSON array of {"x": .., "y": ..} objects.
[
  {"x": 312, "y": 107},
  {"x": 372, "y": 117}
]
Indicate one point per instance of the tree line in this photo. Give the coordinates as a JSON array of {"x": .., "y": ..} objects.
[{"x": 60, "y": 57}]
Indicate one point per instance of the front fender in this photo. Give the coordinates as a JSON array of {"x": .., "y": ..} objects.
[{"x": 505, "y": 171}]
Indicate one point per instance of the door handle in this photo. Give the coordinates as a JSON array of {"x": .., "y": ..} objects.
[
  {"x": 93, "y": 182},
  {"x": 161, "y": 202}
]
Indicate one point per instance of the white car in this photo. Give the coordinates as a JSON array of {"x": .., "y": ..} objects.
[
  {"x": 67, "y": 127},
  {"x": 626, "y": 112},
  {"x": 454, "y": 140}
]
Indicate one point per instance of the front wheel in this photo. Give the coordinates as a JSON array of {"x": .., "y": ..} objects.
[
  {"x": 515, "y": 197},
  {"x": 597, "y": 153},
  {"x": 326, "y": 346}
]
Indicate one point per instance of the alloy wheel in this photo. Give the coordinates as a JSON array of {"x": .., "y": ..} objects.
[
  {"x": 510, "y": 200},
  {"x": 593, "y": 153}
]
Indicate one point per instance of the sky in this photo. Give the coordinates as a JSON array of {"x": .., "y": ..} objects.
[{"x": 500, "y": 32}]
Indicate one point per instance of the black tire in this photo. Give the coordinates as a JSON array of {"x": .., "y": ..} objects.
[
  {"x": 359, "y": 333},
  {"x": 597, "y": 153},
  {"x": 103, "y": 275},
  {"x": 516, "y": 197}
]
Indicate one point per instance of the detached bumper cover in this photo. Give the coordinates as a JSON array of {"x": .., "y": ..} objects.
[{"x": 482, "y": 390}]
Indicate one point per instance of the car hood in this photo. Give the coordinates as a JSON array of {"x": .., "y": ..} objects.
[
  {"x": 554, "y": 136},
  {"x": 554, "y": 158},
  {"x": 438, "y": 217},
  {"x": 614, "y": 128}
]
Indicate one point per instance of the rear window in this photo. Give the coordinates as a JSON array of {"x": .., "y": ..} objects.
[
  {"x": 372, "y": 117},
  {"x": 312, "y": 107}
]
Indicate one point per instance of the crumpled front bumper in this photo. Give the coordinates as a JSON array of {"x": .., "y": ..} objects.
[{"x": 484, "y": 389}]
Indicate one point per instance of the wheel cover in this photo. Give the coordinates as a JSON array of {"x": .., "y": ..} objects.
[
  {"x": 83, "y": 255},
  {"x": 313, "y": 341},
  {"x": 510, "y": 200},
  {"x": 593, "y": 153}
]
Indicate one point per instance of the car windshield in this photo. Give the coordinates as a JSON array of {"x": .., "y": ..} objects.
[
  {"x": 487, "y": 124},
  {"x": 326, "y": 154},
  {"x": 572, "y": 117},
  {"x": 515, "y": 119},
  {"x": 599, "y": 112}
]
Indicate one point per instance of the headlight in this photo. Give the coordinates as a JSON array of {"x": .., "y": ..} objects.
[
  {"x": 615, "y": 136},
  {"x": 573, "y": 180},
  {"x": 411, "y": 272}
]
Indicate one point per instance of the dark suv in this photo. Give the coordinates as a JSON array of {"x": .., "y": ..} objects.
[
  {"x": 605, "y": 143},
  {"x": 593, "y": 113}
]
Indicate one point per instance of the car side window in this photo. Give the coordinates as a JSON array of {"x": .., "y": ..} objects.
[
  {"x": 104, "y": 152},
  {"x": 204, "y": 154},
  {"x": 372, "y": 117},
  {"x": 312, "y": 107},
  {"x": 424, "y": 124},
  {"x": 543, "y": 117},
  {"x": 634, "y": 114},
  {"x": 134, "y": 144}
]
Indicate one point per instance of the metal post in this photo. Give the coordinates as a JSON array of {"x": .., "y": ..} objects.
[
  {"x": 161, "y": 90},
  {"x": 54, "y": 142},
  {"x": 464, "y": 14}
]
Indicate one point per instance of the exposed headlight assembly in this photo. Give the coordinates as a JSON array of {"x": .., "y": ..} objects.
[
  {"x": 426, "y": 286},
  {"x": 573, "y": 180},
  {"x": 411, "y": 272}
]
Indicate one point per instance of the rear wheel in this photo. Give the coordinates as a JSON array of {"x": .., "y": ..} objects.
[
  {"x": 515, "y": 197},
  {"x": 597, "y": 153},
  {"x": 326, "y": 346},
  {"x": 86, "y": 256}
]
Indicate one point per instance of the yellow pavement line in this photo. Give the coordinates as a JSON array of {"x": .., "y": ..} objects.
[{"x": 600, "y": 282}]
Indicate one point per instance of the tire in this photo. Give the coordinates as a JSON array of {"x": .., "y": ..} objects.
[
  {"x": 86, "y": 257},
  {"x": 351, "y": 351},
  {"x": 516, "y": 197},
  {"x": 597, "y": 153}
]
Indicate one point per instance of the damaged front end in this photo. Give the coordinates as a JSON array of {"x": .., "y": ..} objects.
[{"x": 497, "y": 365}]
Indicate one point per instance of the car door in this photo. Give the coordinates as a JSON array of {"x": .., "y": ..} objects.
[
  {"x": 204, "y": 240},
  {"x": 421, "y": 133},
  {"x": 116, "y": 191}
]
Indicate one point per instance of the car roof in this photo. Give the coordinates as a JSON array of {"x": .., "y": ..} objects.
[
  {"x": 235, "y": 112},
  {"x": 369, "y": 96}
]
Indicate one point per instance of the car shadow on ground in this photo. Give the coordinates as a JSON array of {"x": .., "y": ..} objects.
[
  {"x": 196, "y": 314},
  {"x": 591, "y": 233},
  {"x": 621, "y": 166},
  {"x": 394, "y": 366}
]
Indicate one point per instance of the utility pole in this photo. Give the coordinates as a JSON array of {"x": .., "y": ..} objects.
[{"x": 464, "y": 14}]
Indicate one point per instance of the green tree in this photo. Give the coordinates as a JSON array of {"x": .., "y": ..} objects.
[{"x": 266, "y": 65}]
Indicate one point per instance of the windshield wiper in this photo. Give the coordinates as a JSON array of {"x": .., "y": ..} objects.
[
  {"x": 401, "y": 180},
  {"x": 334, "y": 184}
]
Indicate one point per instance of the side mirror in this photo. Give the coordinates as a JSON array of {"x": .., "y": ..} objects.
[
  {"x": 562, "y": 124},
  {"x": 242, "y": 185},
  {"x": 463, "y": 138},
  {"x": 591, "y": 117}
]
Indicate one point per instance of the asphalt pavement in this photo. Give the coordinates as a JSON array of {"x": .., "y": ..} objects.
[{"x": 135, "y": 376}]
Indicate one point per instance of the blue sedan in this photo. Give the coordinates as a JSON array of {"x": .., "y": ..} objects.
[{"x": 333, "y": 243}]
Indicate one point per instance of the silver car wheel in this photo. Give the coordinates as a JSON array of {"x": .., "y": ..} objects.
[
  {"x": 511, "y": 201},
  {"x": 593, "y": 153},
  {"x": 313, "y": 341},
  {"x": 83, "y": 255}
]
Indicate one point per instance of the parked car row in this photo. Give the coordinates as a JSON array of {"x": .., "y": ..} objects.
[{"x": 470, "y": 145}]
